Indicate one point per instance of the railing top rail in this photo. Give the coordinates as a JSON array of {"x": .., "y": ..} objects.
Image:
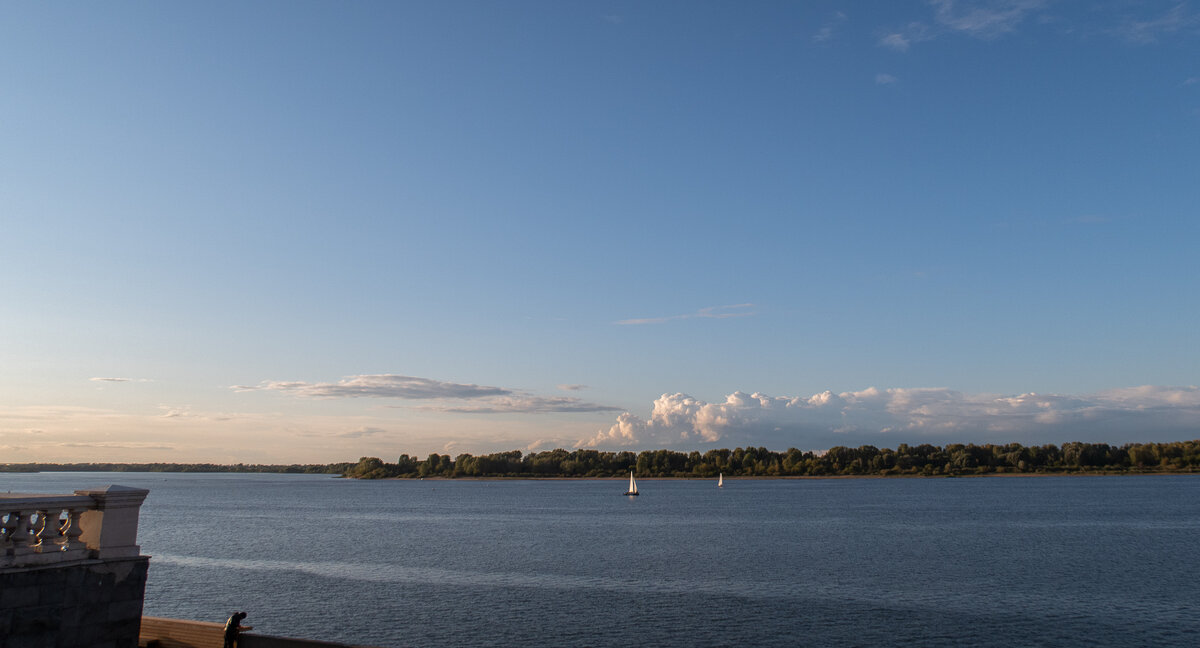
[{"x": 43, "y": 500}]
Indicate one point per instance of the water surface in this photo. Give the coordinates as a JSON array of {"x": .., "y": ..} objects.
[{"x": 1048, "y": 561}]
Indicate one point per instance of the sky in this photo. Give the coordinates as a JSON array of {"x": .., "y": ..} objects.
[{"x": 280, "y": 232}]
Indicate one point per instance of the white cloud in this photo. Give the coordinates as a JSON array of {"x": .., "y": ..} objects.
[
  {"x": 711, "y": 312},
  {"x": 885, "y": 79},
  {"x": 572, "y": 387},
  {"x": 892, "y": 416},
  {"x": 379, "y": 386},
  {"x": 109, "y": 379}
]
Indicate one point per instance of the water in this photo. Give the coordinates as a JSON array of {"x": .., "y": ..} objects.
[{"x": 1070, "y": 561}]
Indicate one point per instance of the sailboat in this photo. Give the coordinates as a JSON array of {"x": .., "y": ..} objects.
[
  {"x": 720, "y": 480},
  {"x": 632, "y": 486}
]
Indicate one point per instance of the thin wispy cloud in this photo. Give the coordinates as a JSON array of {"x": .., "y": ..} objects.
[
  {"x": 98, "y": 379},
  {"x": 981, "y": 19},
  {"x": 526, "y": 405},
  {"x": 900, "y": 40},
  {"x": 984, "y": 19},
  {"x": 361, "y": 432},
  {"x": 828, "y": 30},
  {"x": 892, "y": 416},
  {"x": 173, "y": 412},
  {"x": 1149, "y": 30},
  {"x": 712, "y": 312},
  {"x": 378, "y": 386},
  {"x": 885, "y": 79},
  {"x": 114, "y": 446},
  {"x": 572, "y": 387}
]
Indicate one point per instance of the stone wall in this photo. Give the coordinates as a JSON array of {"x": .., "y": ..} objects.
[{"x": 83, "y": 604}]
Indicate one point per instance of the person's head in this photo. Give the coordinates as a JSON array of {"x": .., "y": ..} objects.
[{"x": 239, "y": 616}]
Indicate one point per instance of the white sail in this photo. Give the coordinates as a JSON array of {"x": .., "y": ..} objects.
[
  {"x": 632, "y": 484},
  {"x": 720, "y": 480}
]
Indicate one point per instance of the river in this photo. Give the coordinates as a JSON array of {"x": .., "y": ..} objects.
[{"x": 1015, "y": 561}]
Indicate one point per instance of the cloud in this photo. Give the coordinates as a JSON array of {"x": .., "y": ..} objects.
[
  {"x": 1147, "y": 31},
  {"x": 110, "y": 379},
  {"x": 572, "y": 387},
  {"x": 361, "y": 432},
  {"x": 379, "y": 386},
  {"x": 900, "y": 41},
  {"x": 114, "y": 446},
  {"x": 826, "y": 32},
  {"x": 885, "y": 79},
  {"x": 527, "y": 405},
  {"x": 711, "y": 312},
  {"x": 891, "y": 416},
  {"x": 1191, "y": 81},
  {"x": 983, "y": 19}
]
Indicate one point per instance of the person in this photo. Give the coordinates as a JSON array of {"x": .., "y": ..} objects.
[{"x": 232, "y": 627}]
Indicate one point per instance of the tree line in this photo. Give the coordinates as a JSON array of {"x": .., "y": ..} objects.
[{"x": 925, "y": 459}]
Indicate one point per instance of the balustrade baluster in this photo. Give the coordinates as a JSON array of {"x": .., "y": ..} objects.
[
  {"x": 71, "y": 531},
  {"x": 4, "y": 530},
  {"x": 48, "y": 534},
  {"x": 21, "y": 535}
]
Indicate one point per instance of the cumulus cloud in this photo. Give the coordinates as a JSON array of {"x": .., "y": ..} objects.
[
  {"x": 527, "y": 405},
  {"x": 891, "y": 416},
  {"x": 379, "y": 386},
  {"x": 711, "y": 312}
]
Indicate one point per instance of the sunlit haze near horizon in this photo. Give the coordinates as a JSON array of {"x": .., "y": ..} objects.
[{"x": 280, "y": 232}]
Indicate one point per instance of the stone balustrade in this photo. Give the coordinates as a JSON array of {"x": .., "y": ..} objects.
[{"x": 40, "y": 530}]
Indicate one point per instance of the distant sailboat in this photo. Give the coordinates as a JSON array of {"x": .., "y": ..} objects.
[
  {"x": 632, "y": 492},
  {"x": 720, "y": 480}
]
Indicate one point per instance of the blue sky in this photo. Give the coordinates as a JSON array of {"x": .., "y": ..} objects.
[{"x": 310, "y": 231}]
